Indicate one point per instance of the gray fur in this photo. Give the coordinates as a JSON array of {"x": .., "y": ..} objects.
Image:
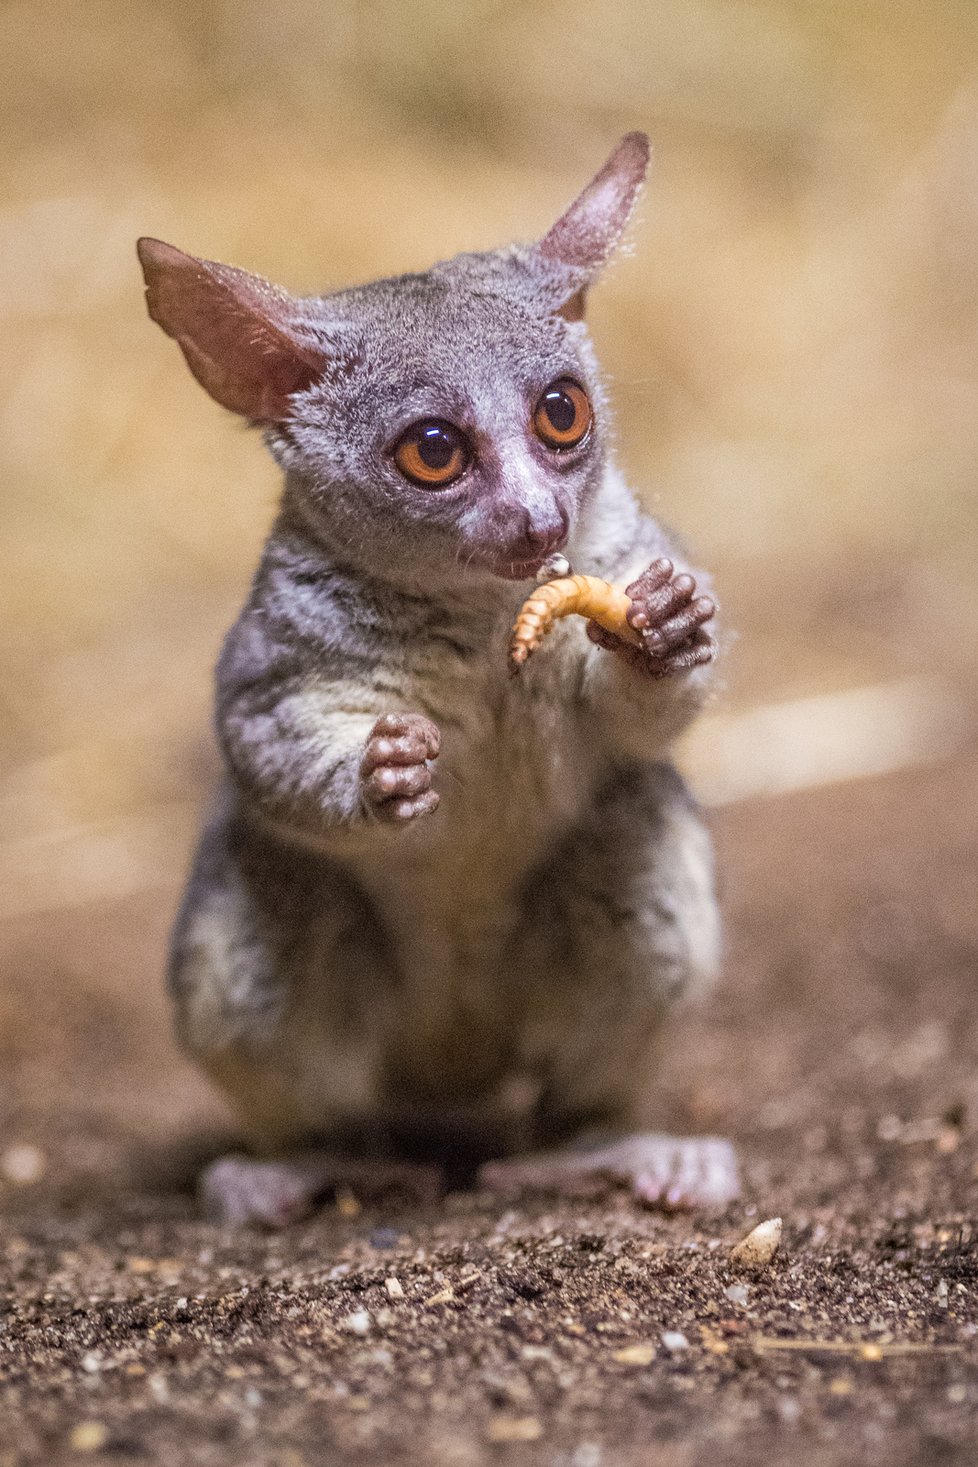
[{"x": 502, "y": 963}]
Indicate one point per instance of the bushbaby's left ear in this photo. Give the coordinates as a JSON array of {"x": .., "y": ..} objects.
[
  {"x": 586, "y": 234},
  {"x": 249, "y": 343}
]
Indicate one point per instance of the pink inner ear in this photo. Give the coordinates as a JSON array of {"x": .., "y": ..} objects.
[
  {"x": 243, "y": 338},
  {"x": 573, "y": 307},
  {"x": 588, "y": 231}
]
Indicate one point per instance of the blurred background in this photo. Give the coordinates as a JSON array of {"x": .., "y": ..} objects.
[{"x": 792, "y": 341}]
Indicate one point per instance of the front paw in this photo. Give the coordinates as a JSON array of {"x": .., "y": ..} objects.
[
  {"x": 395, "y": 772},
  {"x": 672, "y": 621}
]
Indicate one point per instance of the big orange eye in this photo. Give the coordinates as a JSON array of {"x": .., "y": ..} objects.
[
  {"x": 432, "y": 453},
  {"x": 563, "y": 415}
]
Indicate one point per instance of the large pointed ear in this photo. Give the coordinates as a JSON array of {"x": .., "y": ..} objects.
[
  {"x": 586, "y": 234},
  {"x": 244, "y": 340}
]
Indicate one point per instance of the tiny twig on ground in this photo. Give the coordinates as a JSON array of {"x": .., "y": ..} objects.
[{"x": 861, "y": 1349}]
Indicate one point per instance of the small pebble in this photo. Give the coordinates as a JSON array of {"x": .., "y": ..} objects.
[
  {"x": 347, "y": 1204},
  {"x": 23, "y": 1165},
  {"x": 588, "y": 1454},
  {"x": 515, "y": 1429},
  {"x": 760, "y": 1244},
  {"x": 159, "y": 1388},
  {"x": 506, "y": 1221},
  {"x": 384, "y": 1238},
  {"x": 89, "y": 1436},
  {"x": 674, "y": 1340},
  {"x": 394, "y": 1287},
  {"x": 736, "y": 1293},
  {"x": 641, "y": 1354},
  {"x": 358, "y": 1323}
]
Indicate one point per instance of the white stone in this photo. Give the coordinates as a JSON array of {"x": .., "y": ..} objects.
[
  {"x": 358, "y": 1323},
  {"x": 760, "y": 1244},
  {"x": 23, "y": 1164}
]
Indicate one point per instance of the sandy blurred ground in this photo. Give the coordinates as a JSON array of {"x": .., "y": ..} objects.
[{"x": 793, "y": 341}]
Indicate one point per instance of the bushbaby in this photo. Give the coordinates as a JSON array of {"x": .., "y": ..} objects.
[{"x": 438, "y": 911}]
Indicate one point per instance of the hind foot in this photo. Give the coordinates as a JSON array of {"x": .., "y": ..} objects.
[
  {"x": 659, "y": 1171},
  {"x": 240, "y": 1189}
]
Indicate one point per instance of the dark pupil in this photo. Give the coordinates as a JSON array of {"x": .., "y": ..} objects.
[
  {"x": 436, "y": 447},
  {"x": 560, "y": 410}
]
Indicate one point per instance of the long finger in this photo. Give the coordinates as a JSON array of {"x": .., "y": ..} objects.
[
  {"x": 408, "y": 748},
  {"x": 656, "y": 607},
  {"x": 662, "y": 639}
]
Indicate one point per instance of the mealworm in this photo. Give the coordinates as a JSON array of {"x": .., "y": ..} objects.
[{"x": 588, "y": 596}]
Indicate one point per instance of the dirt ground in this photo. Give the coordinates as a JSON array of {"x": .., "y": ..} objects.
[
  {"x": 840, "y": 1055},
  {"x": 791, "y": 340}
]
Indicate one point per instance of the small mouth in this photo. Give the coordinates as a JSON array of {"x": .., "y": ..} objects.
[
  {"x": 513, "y": 570},
  {"x": 507, "y": 570},
  {"x": 521, "y": 570}
]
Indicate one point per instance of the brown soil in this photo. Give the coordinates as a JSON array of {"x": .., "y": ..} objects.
[{"x": 839, "y": 1053}]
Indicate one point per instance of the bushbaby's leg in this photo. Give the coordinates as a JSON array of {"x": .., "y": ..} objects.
[
  {"x": 282, "y": 983},
  {"x": 622, "y": 922}
]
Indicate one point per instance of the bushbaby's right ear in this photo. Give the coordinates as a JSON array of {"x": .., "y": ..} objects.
[
  {"x": 579, "y": 244},
  {"x": 244, "y": 339}
]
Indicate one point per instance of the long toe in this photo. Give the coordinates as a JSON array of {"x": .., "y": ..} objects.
[{"x": 704, "y": 1173}]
